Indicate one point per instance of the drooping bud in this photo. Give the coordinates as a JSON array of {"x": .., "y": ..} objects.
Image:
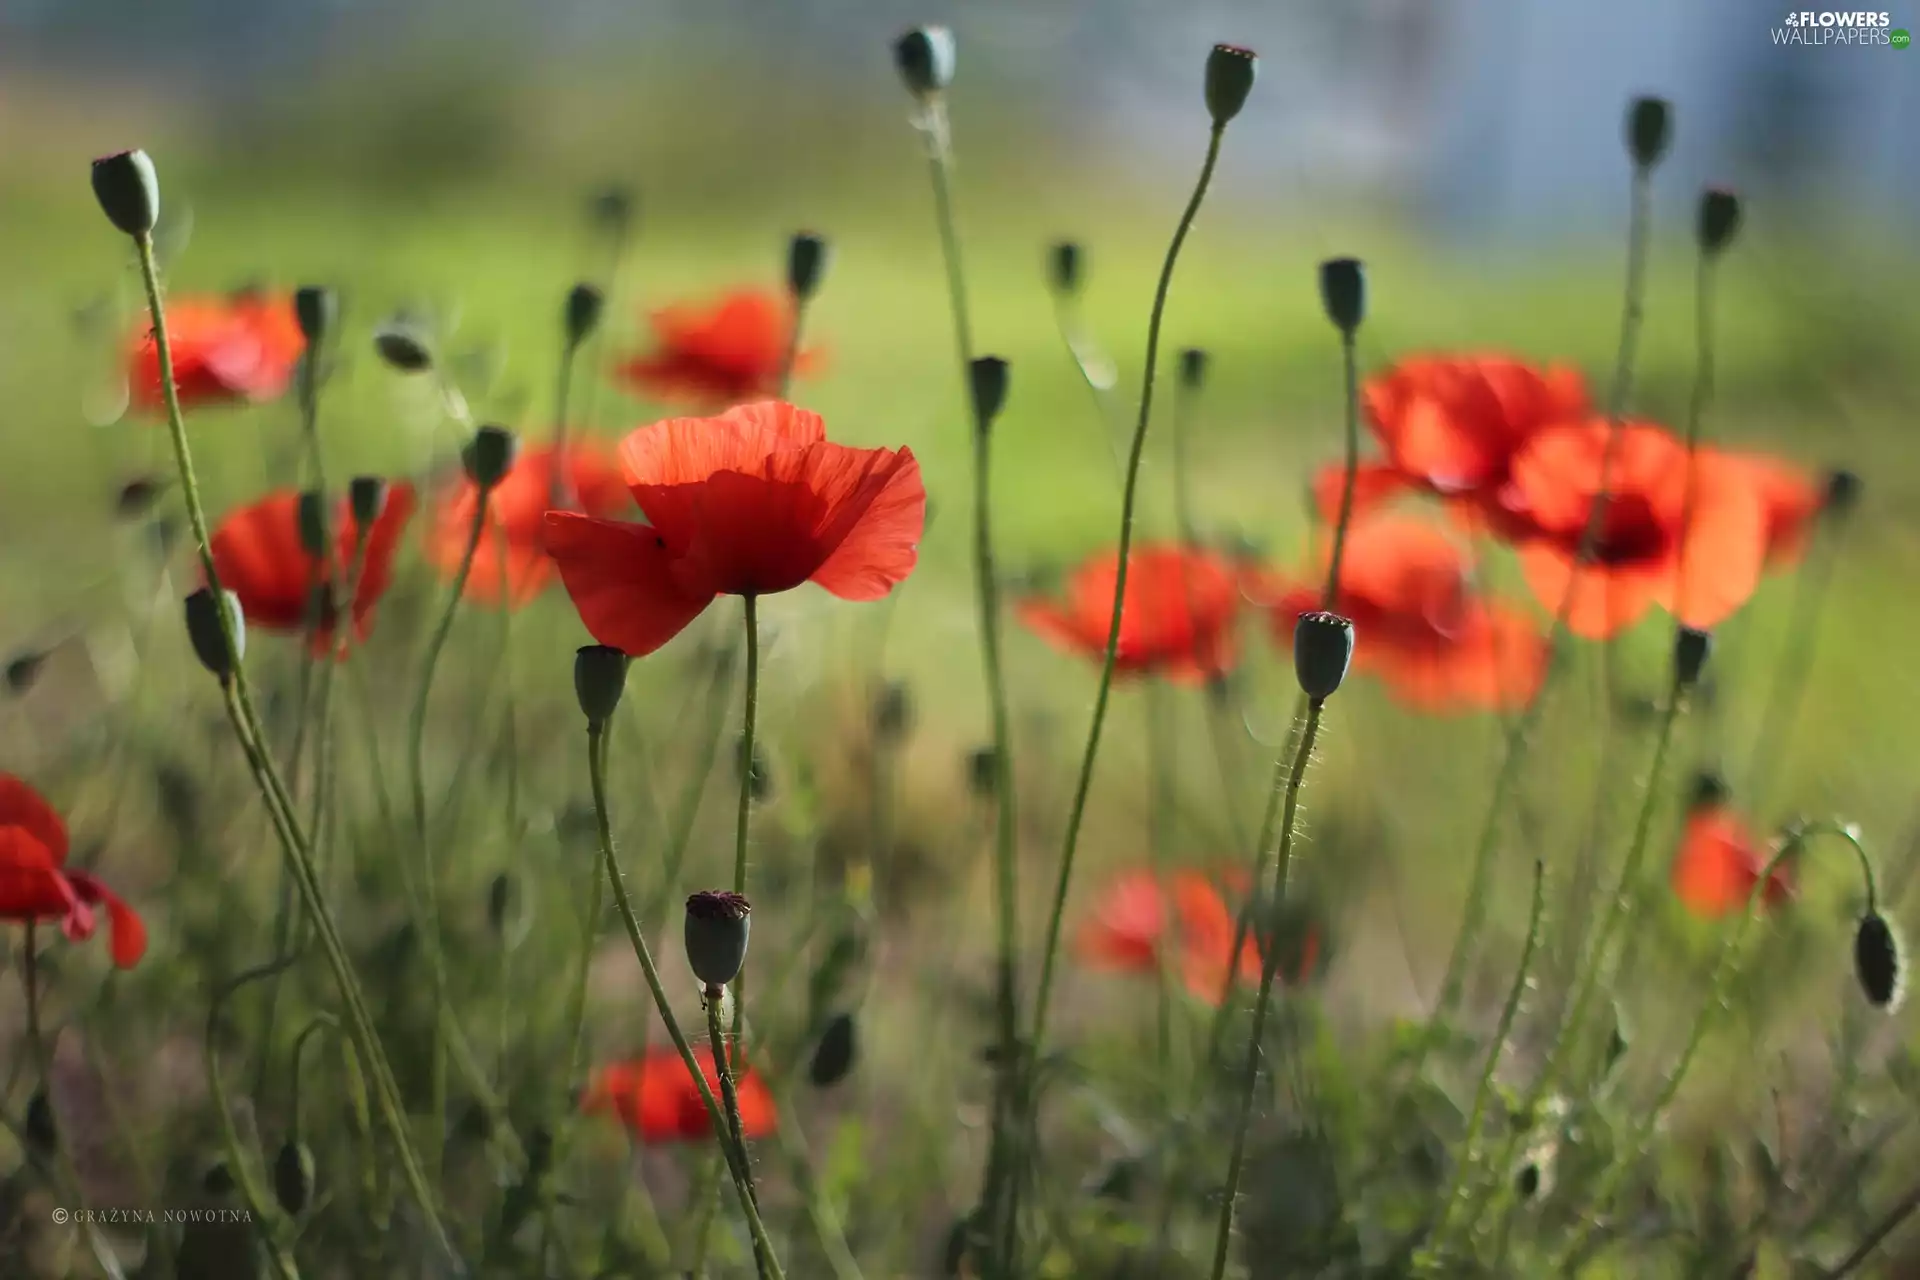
[
  {"x": 136, "y": 498},
  {"x": 599, "y": 678},
  {"x": 209, "y": 640},
  {"x": 1649, "y": 130},
  {"x": 128, "y": 190},
  {"x": 987, "y": 378},
  {"x": 925, "y": 58},
  {"x": 42, "y": 1129},
  {"x": 584, "y": 305},
  {"x": 1193, "y": 368},
  {"x": 403, "y": 347},
  {"x": 293, "y": 1177},
  {"x": 983, "y": 772},
  {"x": 1719, "y": 219},
  {"x": 311, "y": 516},
  {"x": 23, "y": 669},
  {"x": 1843, "y": 491},
  {"x": 1063, "y": 268},
  {"x": 1878, "y": 962},
  {"x": 1343, "y": 292},
  {"x": 807, "y": 257},
  {"x": 833, "y": 1056},
  {"x": 1691, "y": 649},
  {"x": 317, "y": 308},
  {"x": 1322, "y": 651},
  {"x": 1230, "y": 71},
  {"x": 489, "y": 455},
  {"x": 893, "y": 712},
  {"x": 717, "y": 926}
]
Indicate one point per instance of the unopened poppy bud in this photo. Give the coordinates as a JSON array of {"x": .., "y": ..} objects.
[
  {"x": 1322, "y": 651},
  {"x": 1878, "y": 963},
  {"x": 987, "y": 378},
  {"x": 136, "y": 498},
  {"x": 983, "y": 772},
  {"x": 1230, "y": 71},
  {"x": 893, "y": 712},
  {"x": 1691, "y": 649},
  {"x": 1526, "y": 1183},
  {"x": 293, "y": 1177},
  {"x": 42, "y": 1130},
  {"x": 1843, "y": 491},
  {"x": 128, "y": 190},
  {"x": 311, "y": 517},
  {"x": 317, "y": 308},
  {"x": 367, "y": 499},
  {"x": 1649, "y": 130},
  {"x": 758, "y": 771},
  {"x": 584, "y": 305},
  {"x": 1193, "y": 368},
  {"x": 403, "y": 347},
  {"x": 1719, "y": 219},
  {"x": 599, "y": 678},
  {"x": 925, "y": 57},
  {"x": 1063, "y": 267},
  {"x": 807, "y": 255},
  {"x": 489, "y": 455},
  {"x": 209, "y": 642},
  {"x": 1709, "y": 791},
  {"x": 833, "y": 1056},
  {"x": 717, "y": 927},
  {"x": 502, "y": 894},
  {"x": 1343, "y": 292},
  {"x": 23, "y": 669}
]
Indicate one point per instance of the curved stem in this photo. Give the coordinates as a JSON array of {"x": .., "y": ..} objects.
[
  {"x": 1269, "y": 964},
  {"x": 260, "y": 1206}
]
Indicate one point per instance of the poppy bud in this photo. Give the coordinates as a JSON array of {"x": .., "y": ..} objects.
[
  {"x": 1229, "y": 79},
  {"x": 1719, "y": 219},
  {"x": 1691, "y": 649},
  {"x": 489, "y": 455},
  {"x": 925, "y": 58},
  {"x": 599, "y": 678},
  {"x": 366, "y": 498},
  {"x": 833, "y": 1056},
  {"x": 1649, "y": 130},
  {"x": 717, "y": 927},
  {"x": 1843, "y": 491},
  {"x": 807, "y": 256},
  {"x": 217, "y": 1180},
  {"x": 42, "y": 1130},
  {"x": 612, "y": 209},
  {"x": 1526, "y": 1183},
  {"x": 502, "y": 894},
  {"x": 317, "y": 308},
  {"x": 758, "y": 771},
  {"x": 987, "y": 378},
  {"x": 136, "y": 498},
  {"x": 293, "y": 1177},
  {"x": 403, "y": 347},
  {"x": 311, "y": 517},
  {"x": 1322, "y": 651},
  {"x": 23, "y": 669},
  {"x": 128, "y": 190},
  {"x": 584, "y": 305},
  {"x": 983, "y": 776},
  {"x": 1877, "y": 962},
  {"x": 1063, "y": 268},
  {"x": 893, "y": 712},
  {"x": 1193, "y": 368},
  {"x": 209, "y": 642},
  {"x": 1343, "y": 292},
  {"x": 1709, "y": 790}
]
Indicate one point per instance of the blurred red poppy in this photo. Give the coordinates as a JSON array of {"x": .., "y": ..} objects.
[
  {"x": 224, "y": 349},
  {"x": 512, "y": 555},
  {"x": 1418, "y": 625},
  {"x": 1130, "y": 930},
  {"x": 1450, "y": 426},
  {"x": 1720, "y": 862},
  {"x": 35, "y": 884},
  {"x": 752, "y": 502},
  {"x": 1176, "y": 621},
  {"x": 1637, "y": 559},
  {"x": 658, "y": 1100},
  {"x": 718, "y": 354},
  {"x": 259, "y": 557},
  {"x": 1791, "y": 499}
]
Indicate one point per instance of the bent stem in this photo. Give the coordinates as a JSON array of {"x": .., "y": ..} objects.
[
  {"x": 1269, "y": 964},
  {"x": 729, "y": 1101},
  {"x": 260, "y": 1206}
]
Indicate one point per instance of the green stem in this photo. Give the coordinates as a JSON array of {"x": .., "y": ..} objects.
[
  {"x": 262, "y": 1209},
  {"x": 744, "y": 811},
  {"x": 730, "y": 1101},
  {"x": 1269, "y": 963},
  {"x": 1330, "y": 594},
  {"x": 559, "y": 492},
  {"x": 791, "y": 355}
]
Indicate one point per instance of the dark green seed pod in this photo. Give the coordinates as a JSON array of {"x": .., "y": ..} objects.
[
  {"x": 1691, "y": 649},
  {"x": 987, "y": 377},
  {"x": 403, "y": 347},
  {"x": 293, "y": 1177},
  {"x": 23, "y": 669},
  {"x": 367, "y": 498},
  {"x": 1843, "y": 491},
  {"x": 983, "y": 776},
  {"x": 718, "y": 923},
  {"x": 834, "y": 1055},
  {"x": 503, "y": 895},
  {"x": 209, "y": 640},
  {"x": 893, "y": 713},
  {"x": 1878, "y": 962},
  {"x": 1649, "y": 130},
  {"x": 489, "y": 455},
  {"x": 584, "y": 305},
  {"x": 1709, "y": 791},
  {"x": 318, "y": 310},
  {"x": 311, "y": 517},
  {"x": 1526, "y": 1183},
  {"x": 1193, "y": 368},
  {"x": 1322, "y": 651},
  {"x": 1064, "y": 267},
  {"x": 925, "y": 58},
  {"x": 599, "y": 678},
  {"x": 1719, "y": 219},
  {"x": 128, "y": 190},
  {"x": 1230, "y": 72},
  {"x": 42, "y": 1129},
  {"x": 807, "y": 258},
  {"x": 1343, "y": 293}
]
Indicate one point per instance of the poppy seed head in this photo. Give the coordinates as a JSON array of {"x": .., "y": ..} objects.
[
  {"x": 1878, "y": 962},
  {"x": 807, "y": 255},
  {"x": 1649, "y": 130},
  {"x": 311, "y": 518},
  {"x": 582, "y": 314},
  {"x": 925, "y": 58},
  {"x": 987, "y": 378},
  {"x": 367, "y": 498},
  {"x": 490, "y": 455},
  {"x": 1691, "y": 649},
  {"x": 1230, "y": 74},
  {"x": 717, "y": 928},
  {"x": 404, "y": 348},
  {"x": 1719, "y": 219},
  {"x": 1322, "y": 651},
  {"x": 1843, "y": 491},
  {"x": 1710, "y": 791},
  {"x": 599, "y": 678},
  {"x": 317, "y": 308},
  {"x": 1343, "y": 292}
]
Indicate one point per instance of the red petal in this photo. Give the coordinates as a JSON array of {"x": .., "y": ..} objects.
[
  {"x": 257, "y": 553},
  {"x": 882, "y": 547},
  {"x": 26, "y": 809},
  {"x": 621, "y": 580},
  {"x": 129, "y": 941}
]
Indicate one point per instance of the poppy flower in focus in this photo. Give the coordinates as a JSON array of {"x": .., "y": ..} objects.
[
  {"x": 1720, "y": 862},
  {"x": 242, "y": 348},
  {"x": 1177, "y": 618},
  {"x": 35, "y": 885},
  {"x": 1450, "y": 426},
  {"x": 512, "y": 555},
  {"x": 1140, "y": 918},
  {"x": 1418, "y": 625},
  {"x": 718, "y": 354},
  {"x": 752, "y": 502},
  {"x": 658, "y": 1100},
  {"x": 258, "y": 554}
]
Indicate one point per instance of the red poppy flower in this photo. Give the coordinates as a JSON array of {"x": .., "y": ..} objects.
[
  {"x": 1719, "y": 864},
  {"x": 1792, "y": 501},
  {"x": 658, "y": 1100},
  {"x": 1129, "y": 931},
  {"x": 512, "y": 553},
  {"x": 35, "y": 884},
  {"x": 718, "y": 354},
  {"x": 259, "y": 557},
  {"x": 243, "y": 348},
  {"x": 1177, "y": 618},
  {"x": 1450, "y": 426},
  {"x": 1418, "y": 625},
  {"x": 1637, "y": 560},
  {"x": 752, "y": 502}
]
